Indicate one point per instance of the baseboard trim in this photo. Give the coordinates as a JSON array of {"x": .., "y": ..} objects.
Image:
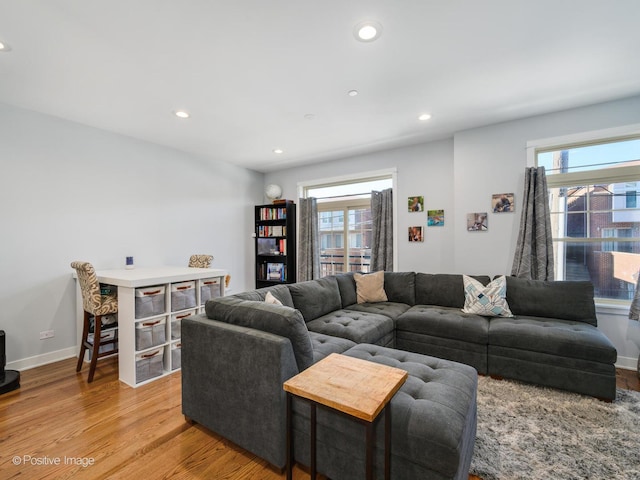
[
  {"x": 627, "y": 363},
  {"x": 43, "y": 359}
]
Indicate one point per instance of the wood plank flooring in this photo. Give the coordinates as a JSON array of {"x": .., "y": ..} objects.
[{"x": 56, "y": 426}]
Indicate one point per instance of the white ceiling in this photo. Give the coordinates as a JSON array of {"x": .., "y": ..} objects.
[{"x": 249, "y": 71}]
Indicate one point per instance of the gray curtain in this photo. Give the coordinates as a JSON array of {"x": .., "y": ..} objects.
[
  {"x": 634, "y": 311},
  {"x": 308, "y": 248},
  {"x": 534, "y": 251},
  {"x": 382, "y": 234}
]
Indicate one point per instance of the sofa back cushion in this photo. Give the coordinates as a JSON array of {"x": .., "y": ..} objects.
[
  {"x": 315, "y": 298},
  {"x": 443, "y": 289},
  {"x": 400, "y": 287},
  {"x": 277, "y": 319},
  {"x": 564, "y": 300},
  {"x": 347, "y": 288},
  {"x": 281, "y": 292}
]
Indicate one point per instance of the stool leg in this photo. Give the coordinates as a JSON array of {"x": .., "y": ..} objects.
[
  {"x": 97, "y": 327},
  {"x": 83, "y": 341}
]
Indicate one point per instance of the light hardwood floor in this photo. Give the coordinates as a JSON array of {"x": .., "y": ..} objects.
[{"x": 56, "y": 426}]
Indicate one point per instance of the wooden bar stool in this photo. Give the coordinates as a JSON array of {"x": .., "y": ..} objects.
[
  {"x": 200, "y": 261},
  {"x": 96, "y": 304}
]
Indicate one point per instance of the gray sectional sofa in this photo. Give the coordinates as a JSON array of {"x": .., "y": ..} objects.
[{"x": 237, "y": 355}]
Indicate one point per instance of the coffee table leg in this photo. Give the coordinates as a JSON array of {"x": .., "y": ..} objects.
[
  {"x": 369, "y": 455},
  {"x": 289, "y": 439},
  {"x": 313, "y": 441},
  {"x": 387, "y": 442}
]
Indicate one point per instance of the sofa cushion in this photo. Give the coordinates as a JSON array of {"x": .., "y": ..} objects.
[
  {"x": 360, "y": 327},
  {"x": 390, "y": 309},
  {"x": 489, "y": 301},
  {"x": 347, "y": 288},
  {"x": 323, "y": 345},
  {"x": 277, "y": 319},
  {"x": 316, "y": 297},
  {"x": 400, "y": 287},
  {"x": 442, "y": 289},
  {"x": 564, "y": 338},
  {"x": 433, "y": 413},
  {"x": 566, "y": 300},
  {"x": 370, "y": 287},
  {"x": 445, "y": 322}
]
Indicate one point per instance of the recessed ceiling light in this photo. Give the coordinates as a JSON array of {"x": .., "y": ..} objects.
[
  {"x": 352, "y": 93},
  {"x": 424, "y": 117},
  {"x": 181, "y": 114},
  {"x": 367, "y": 31},
  {"x": 278, "y": 151},
  {"x": 4, "y": 47}
]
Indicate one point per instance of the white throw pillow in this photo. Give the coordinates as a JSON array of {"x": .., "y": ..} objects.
[
  {"x": 370, "y": 287},
  {"x": 269, "y": 298},
  {"x": 490, "y": 301}
]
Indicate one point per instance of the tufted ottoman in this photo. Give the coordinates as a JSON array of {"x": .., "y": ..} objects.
[{"x": 433, "y": 423}]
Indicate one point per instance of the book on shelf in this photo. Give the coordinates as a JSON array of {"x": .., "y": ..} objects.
[
  {"x": 272, "y": 231},
  {"x": 268, "y": 213},
  {"x": 276, "y": 271}
]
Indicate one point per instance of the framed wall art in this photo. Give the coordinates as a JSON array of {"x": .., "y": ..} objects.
[{"x": 502, "y": 203}]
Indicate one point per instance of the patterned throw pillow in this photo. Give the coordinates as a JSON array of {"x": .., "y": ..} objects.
[{"x": 490, "y": 301}]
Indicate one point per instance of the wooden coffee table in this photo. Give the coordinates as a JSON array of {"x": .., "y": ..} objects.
[{"x": 355, "y": 387}]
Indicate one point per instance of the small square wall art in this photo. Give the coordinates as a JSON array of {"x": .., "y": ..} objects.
[
  {"x": 415, "y": 234},
  {"x": 416, "y": 204},
  {"x": 435, "y": 218},
  {"x": 477, "y": 222}
]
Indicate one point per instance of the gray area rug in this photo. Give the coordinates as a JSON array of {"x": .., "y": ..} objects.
[{"x": 529, "y": 432}]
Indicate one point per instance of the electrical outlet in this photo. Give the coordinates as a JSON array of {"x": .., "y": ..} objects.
[{"x": 47, "y": 334}]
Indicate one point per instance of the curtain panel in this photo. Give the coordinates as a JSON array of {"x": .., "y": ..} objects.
[
  {"x": 634, "y": 311},
  {"x": 308, "y": 246},
  {"x": 534, "y": 250},
  {"x": 382, "y": 230}
]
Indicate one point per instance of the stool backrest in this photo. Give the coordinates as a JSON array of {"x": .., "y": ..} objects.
[
  {"x": 89, "y": 286},
  {"x": 200, "y": 261}
]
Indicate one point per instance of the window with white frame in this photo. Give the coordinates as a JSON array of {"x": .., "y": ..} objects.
[
  {"x": 344, "y": 221},
  {"x": 595, "y": 217}
]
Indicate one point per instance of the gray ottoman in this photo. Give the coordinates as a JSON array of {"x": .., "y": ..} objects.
[{"x": 433, "y": 423}]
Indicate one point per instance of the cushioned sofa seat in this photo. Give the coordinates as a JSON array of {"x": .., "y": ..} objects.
[
  {"x": 555, "y": 337},
  {"x": 433, "y": 429},
  {"x": 390, "y": 309},
  {"x": 444, "y": 332},
  {"x": 359, "y": 327},
  {"x": 559, "y": 353},
  {"x": 324, "y": 345}
]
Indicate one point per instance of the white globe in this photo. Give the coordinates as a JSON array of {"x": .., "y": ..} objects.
[{"x": 273, "y": 191}]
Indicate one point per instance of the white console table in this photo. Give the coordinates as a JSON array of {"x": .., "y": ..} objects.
[{"x": 127, "y": 282}]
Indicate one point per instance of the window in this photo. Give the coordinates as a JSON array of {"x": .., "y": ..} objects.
[
  {"x": 594, "y": 213},
  {"x": 344, "y": 222}
]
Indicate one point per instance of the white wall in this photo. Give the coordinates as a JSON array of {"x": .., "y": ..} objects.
[
  {"x": 491, "y": 160},
  {"x": 425, "y": 170},
  {"x": 70, "y": 192},
  {"x": 460, "y": 175}
]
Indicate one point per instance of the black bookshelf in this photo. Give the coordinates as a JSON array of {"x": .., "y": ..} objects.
[{"x": 275, "y": 246}]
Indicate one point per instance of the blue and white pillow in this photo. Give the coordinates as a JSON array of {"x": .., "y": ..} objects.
[{"x": 489, "y": 301}]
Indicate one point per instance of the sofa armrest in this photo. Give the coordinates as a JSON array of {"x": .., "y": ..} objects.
[{"x": 232, "y": 384}]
